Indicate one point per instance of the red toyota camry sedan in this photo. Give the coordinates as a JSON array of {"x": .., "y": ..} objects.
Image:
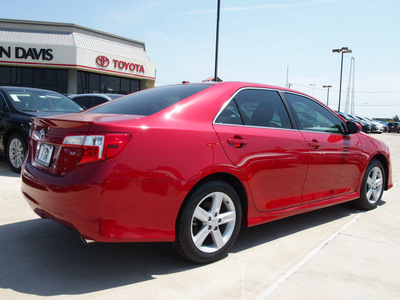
[{"x": 193, "y": 163}]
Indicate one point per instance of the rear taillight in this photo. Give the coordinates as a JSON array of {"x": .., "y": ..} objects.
[{"x": 97, "y": 147}]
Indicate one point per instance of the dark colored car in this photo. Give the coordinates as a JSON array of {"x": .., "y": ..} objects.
[
  {"x": 17, "y": 106},
  {"x": 90, "y": 100},
  {"x": 394, "y": 127},
  {"x": 365, "y": 126},
  {"x": 379, "y": 127},
  {"x": 385, "y": 126},
  {"x": 193, "y": 163}
]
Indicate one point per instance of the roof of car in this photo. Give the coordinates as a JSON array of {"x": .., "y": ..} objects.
[
  {"x": 95, "y": 94},
  {"x": 22, "y": 88}
]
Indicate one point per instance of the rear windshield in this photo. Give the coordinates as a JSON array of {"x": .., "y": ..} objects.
[{"x": 151, "y": 101}]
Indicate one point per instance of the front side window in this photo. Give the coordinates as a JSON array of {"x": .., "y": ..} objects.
[
  {"x": 312, "y": 116},
  {"x": 256, "y": 107}
]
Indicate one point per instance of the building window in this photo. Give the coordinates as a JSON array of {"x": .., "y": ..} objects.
[
  {"x": 49, "y": 79},
  {"x": 99, "y": 83},
  {"x": 94, "y": 83},
  {"x": 5, "y": 75}
]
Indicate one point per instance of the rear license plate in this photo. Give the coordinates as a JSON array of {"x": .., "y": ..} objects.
[{"x": 44, "y": 155}]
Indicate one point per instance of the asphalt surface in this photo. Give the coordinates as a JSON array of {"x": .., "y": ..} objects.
[{"x": 334, "y": 253}]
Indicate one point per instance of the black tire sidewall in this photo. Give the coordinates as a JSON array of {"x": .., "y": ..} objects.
[{"x": 184, "y": 243}]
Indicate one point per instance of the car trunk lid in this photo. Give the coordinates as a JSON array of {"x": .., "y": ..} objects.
[{"x": 58, "y": 144}]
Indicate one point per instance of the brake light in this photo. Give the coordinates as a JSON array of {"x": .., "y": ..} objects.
[{"x": 97, "y": 147}]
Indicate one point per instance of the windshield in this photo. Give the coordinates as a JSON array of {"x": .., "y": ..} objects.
[
  {"x": 41, "y": 101},
  {"x": 151, "y": 101}
]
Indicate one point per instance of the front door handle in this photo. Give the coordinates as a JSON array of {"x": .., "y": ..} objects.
[{"x": 237, "y": 142}]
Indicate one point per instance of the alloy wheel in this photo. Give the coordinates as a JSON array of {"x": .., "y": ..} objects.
[
  {"x": 374, "y": 186},
  {"x": 16, "y": 152},
  {"x": 213, "y": 222}
]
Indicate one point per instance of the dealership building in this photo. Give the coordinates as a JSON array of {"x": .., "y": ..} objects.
[{"x": 71, "y": 59}]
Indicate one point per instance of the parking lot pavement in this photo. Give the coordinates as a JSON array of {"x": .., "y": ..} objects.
[{"x": 335, "y": 253}]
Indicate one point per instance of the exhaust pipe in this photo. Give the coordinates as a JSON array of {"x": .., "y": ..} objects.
[{"x": 87, "y": 241}]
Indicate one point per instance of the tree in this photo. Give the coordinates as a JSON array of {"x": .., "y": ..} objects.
[{"x": 396, "y": 118}]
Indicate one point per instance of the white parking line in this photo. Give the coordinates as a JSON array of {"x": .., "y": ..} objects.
[{"x": 289, "y": 273}]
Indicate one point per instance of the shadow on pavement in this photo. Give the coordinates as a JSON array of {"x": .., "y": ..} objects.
[
  {"x": 43, "y": 258},
  {"x": 5, "y": 170},
  {"x": 254, "y": 236},
  {"x": 40, "y": 257}
]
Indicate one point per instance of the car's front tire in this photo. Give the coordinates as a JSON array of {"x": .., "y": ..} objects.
[
  {"x": 372, "y": 186},
  {"x": 15, "y": 151},
  {"x": 209, "y": 222}
]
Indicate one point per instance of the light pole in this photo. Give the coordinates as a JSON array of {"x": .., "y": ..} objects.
[
  {"x": 327, "y": 95},
  {"x": 341, "y": 50}
]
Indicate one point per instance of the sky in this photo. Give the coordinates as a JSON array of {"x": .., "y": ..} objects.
[{"x": 263, "y": 41}]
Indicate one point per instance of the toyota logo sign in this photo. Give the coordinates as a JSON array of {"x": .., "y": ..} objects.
[{"x": 102, "y": 61}]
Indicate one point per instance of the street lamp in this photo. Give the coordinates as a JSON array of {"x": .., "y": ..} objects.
[
  {"x": 312, "y": 88},
  {"x": 327, "y": 96},
  {"x": 341, "y": 50}
]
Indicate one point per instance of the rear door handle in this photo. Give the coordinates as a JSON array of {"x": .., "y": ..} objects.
[
  {"x": 314, "y": 144},
  {"x": 237, "y": 142}
]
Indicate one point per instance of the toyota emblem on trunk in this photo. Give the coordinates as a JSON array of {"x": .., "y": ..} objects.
[{"x": 42, "y": 134}]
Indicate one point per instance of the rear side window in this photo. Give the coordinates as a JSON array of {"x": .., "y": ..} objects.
[
  {"x": 83, "y": 101},
  {"x": 256, "y": 107},
  {"x": 151, "y": 101},
  {"x": 230, "y": 115},
  {"x": 97, "y": 101}
]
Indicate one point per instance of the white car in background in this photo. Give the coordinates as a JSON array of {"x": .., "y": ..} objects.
[{"x": 379, "y": 125}]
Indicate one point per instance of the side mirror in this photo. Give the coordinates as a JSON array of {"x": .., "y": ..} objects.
[{"x": 353, "y": 127}]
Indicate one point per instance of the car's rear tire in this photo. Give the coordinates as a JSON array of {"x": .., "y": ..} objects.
[
  {"x": 208, "y": 223},
  {"x": 372, "y": 186},
  {"x": 15, "y": 151}
]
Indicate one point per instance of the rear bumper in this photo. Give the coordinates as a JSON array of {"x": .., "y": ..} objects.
[{"x": 103, "y": 208}]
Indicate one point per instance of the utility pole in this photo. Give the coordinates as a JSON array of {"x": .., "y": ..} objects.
[{"x": 216, "y": 42}]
